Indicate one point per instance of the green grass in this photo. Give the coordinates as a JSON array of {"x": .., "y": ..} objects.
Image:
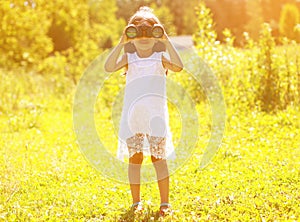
[{"x": 255, "y": 176}]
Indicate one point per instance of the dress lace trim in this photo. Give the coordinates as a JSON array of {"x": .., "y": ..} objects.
[{"x": 157, "y": 145}]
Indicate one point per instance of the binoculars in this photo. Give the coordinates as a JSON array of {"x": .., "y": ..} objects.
[{"x": 155, "y": 31}]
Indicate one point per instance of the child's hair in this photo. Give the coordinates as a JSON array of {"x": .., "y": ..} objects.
[{"x": 144, "y": 14}]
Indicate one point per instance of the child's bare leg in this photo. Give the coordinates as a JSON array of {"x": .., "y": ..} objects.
[
  {"x": 135, "y": 144},
  {"x": 162, "y": 174},
  {"x": 157, "y": 148},
  {"x": 134, "y": 174}
]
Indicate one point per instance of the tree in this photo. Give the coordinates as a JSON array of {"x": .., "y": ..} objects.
[
  {"x": 254, "y": 12},
  {"x": 184, "y": 13},
  {"x": 126, "y": 8},
  {"x": 229, "y": 14},
  {"x": 289, "y": 18},
  {"x": 165, "y": 17},
  {"x": 23, "y": 37}
]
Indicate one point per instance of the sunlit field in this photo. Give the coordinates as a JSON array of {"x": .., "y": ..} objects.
[{"x": 254, "y": 176}]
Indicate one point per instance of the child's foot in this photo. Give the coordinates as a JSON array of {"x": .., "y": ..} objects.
[
  {"x": 137, "y": 207},
  {"x": 165, "y": 210}
]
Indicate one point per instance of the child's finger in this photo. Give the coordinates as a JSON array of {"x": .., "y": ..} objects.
[{"x": 123, "y": 38}]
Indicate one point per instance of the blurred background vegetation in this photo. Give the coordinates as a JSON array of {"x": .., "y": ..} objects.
[{"x": 252, "y": 45}]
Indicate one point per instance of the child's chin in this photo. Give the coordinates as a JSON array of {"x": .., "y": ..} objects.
[
  {"x": 144, "y": 41},
  {"x": 145, "y": 44}
]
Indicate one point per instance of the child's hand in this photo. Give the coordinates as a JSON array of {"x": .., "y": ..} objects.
[
  {"x": 165, "y": 39},
  {"x": 124, "y": 39},
  {"x": 165, "y": 36}
]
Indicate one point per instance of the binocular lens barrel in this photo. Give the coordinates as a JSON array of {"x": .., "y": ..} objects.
[
  {"x": 133, "y": 31},
  {"x": 157, "y": 32}
]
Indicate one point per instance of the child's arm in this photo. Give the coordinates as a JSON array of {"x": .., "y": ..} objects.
[
  {"x": 175, "y": 63},
  {"x": 112, "y": 63}
]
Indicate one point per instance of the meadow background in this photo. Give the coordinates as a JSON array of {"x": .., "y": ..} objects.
[{"x": 252, "y": 46}]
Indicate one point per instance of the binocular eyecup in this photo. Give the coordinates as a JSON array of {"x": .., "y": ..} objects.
[{"x": 155, "y": 31}]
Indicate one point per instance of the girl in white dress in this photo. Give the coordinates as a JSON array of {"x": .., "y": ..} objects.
[{"x": 145, "y": 111}]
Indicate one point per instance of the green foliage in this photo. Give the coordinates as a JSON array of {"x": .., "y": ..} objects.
[
  {"x": 251, "y": 14},
  {"x": 205, "y": 36},
  {"x": 297, "y": 62},
  {"x": 255, "y": 15},
  {"x": 255, "y": 175},
  {"x": 268, "y": 91},
  {"x": 184, "y": 13},
  {"x": 105, "y": 29},
  {"x": 177, "y": 8},
  {"x": 166, "y": 18},
  {"x": 71, "y": 34},
  {"x": 163, "y": 12},
  {"x": 126, "y": 8},
  {"x": 45, "y": 177},
  {"x": 230, "y": 15},
  {"x": 228, "y": 38},
  {"x": 190, "y": 17},
  {"x": 289, "y": 18},
  {"x": 260, "y": 76},
  {"x": 24, "y": 41}
]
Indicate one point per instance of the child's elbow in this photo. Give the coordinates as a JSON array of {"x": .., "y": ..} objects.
[
  {"x": 178, "y": 68},
  {"x": 108, "y": 68}
]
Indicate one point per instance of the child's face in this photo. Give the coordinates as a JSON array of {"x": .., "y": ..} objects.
[{"x": 144, "y": 43}]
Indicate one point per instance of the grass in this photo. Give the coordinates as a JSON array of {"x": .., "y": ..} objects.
[{"x": 255, "y": 176}]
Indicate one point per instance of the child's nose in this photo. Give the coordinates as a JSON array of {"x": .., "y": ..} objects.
[{"x": 144, "y": 33}]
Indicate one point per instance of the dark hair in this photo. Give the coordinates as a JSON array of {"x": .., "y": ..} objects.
[{"x": 144, "y": 14}]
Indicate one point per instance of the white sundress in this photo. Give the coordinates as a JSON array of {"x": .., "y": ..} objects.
[{"x": 145, "y": 107}]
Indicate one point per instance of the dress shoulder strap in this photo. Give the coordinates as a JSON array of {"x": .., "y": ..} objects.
[{"x": 131, "y": 57}]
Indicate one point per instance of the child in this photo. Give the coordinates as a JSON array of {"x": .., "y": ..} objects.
[{"x": 145, "y": 111}]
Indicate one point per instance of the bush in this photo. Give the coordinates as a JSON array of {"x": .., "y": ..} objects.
[
  {"x": 262, "y": 76},
  {"x": 268, "y": 91}
]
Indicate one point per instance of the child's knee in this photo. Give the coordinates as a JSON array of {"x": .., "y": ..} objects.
[
  {"x": 154, "y": 159},
  {"x": 159, "y": 163},
  {"x": 137, "y": 158}
]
